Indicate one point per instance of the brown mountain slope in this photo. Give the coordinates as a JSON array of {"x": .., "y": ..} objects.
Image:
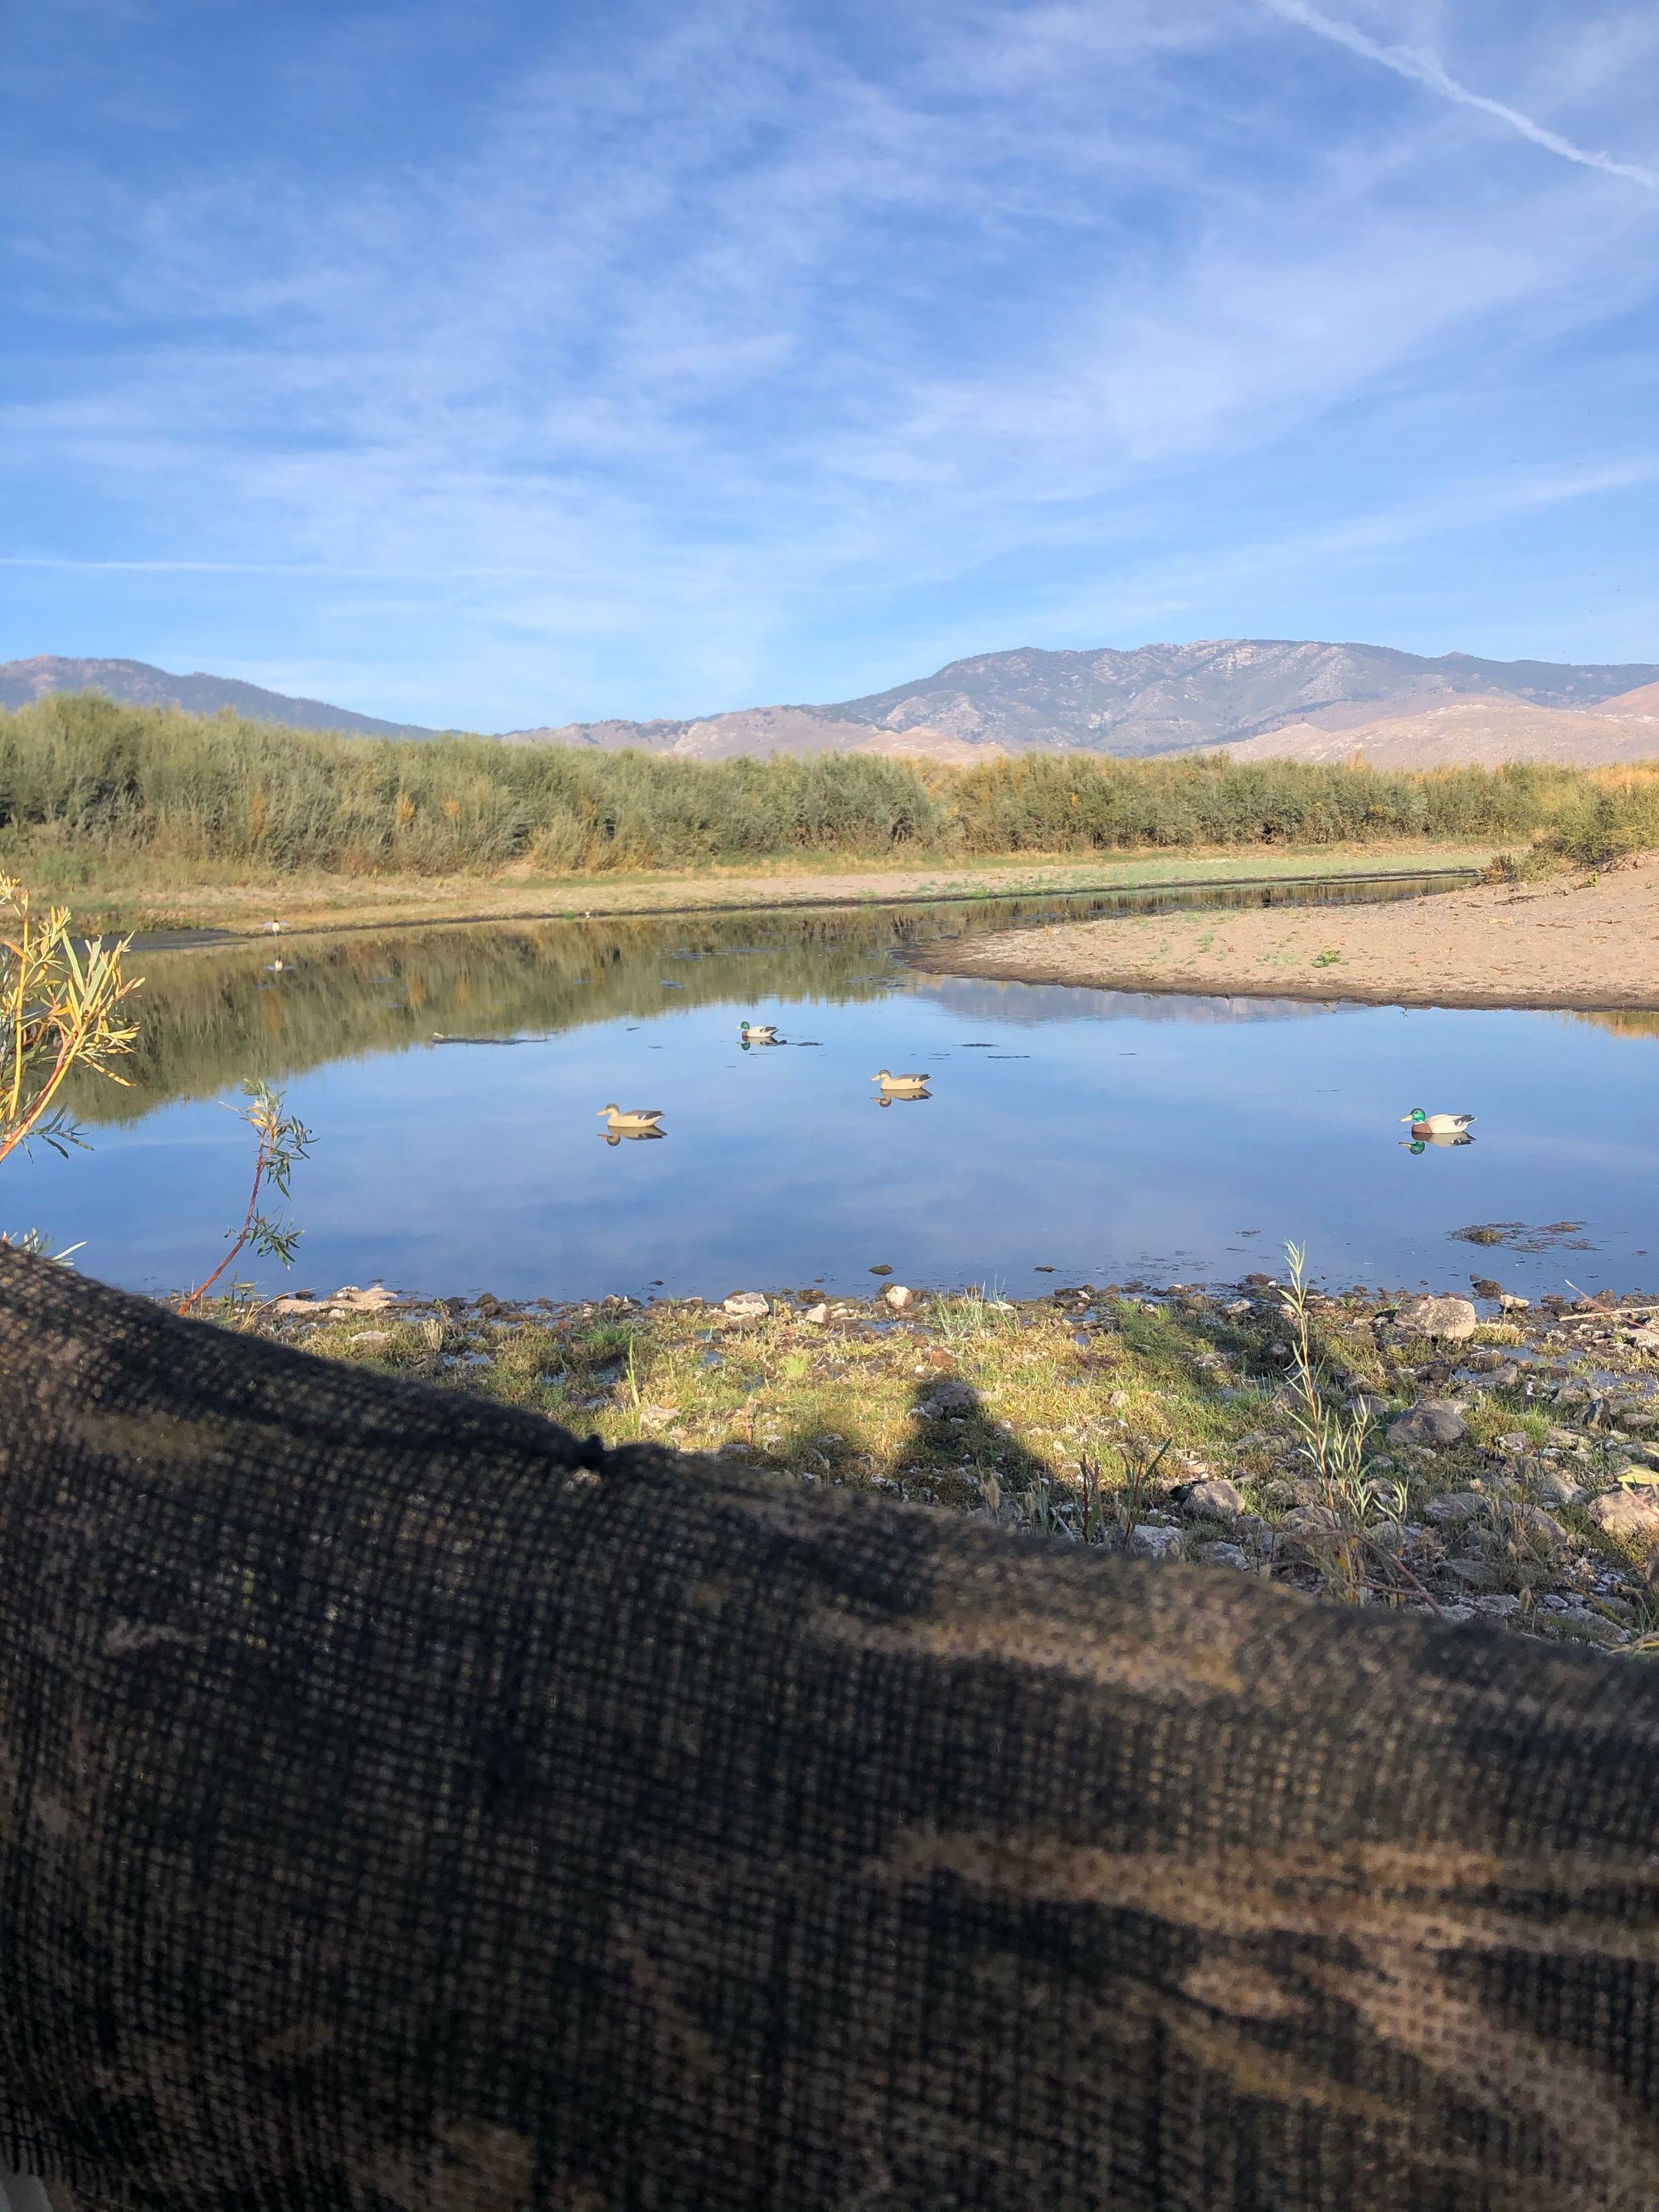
[
  {"x": 1644, "y": 700},
  {"x": 1474, "y": 734},
  {"x": 760, "y": 730}
]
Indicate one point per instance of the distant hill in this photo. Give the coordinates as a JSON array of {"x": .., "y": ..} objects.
[
  {"x": 1170, "y": 698},
  {"x": 1642, "y": 704},
  {"x": 763, "y": 730},
  {"x": 1472, "y": 733},
  {"x": 1155, "y": 699},
  {"x": 137, "y": 684}
]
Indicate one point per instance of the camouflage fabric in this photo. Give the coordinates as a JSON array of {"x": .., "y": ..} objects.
[{"x": 404, "y": 1809}]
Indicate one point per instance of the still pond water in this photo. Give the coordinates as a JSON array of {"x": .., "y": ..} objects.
[{"x": 1107, "y": 1136}]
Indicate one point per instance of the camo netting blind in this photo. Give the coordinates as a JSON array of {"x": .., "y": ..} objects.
[{"x": 397, "y": 1814}]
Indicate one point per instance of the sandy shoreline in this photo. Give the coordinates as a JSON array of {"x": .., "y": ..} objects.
[
  {"x": 205, "y": 913},
  {"x": 1573, "y": 942}
]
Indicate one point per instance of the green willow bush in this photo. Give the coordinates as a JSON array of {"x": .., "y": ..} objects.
[{"x": 80, "y": 773}]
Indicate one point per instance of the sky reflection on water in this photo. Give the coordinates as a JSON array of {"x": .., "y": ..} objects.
[{"x": 1104, "y": 1135}]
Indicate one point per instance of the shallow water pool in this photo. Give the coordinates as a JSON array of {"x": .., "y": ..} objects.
[{"x": 1104, "y": 1136}]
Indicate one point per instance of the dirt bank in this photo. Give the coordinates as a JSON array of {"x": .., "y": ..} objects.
[
  {"x": 169, "y": 911},
  {"x": 1575, "y": 941}
]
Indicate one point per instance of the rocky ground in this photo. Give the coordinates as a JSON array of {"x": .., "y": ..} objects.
[{"x": 1472, "y": 1457}]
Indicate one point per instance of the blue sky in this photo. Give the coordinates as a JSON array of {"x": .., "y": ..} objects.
[{"x": 524, "y": 361}]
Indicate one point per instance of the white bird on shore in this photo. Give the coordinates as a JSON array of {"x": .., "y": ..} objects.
[{"x": 272, "y": 928}]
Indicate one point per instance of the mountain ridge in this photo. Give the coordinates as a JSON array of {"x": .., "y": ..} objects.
[
  {"x": 1134, "y": 703},
  {"x": 137, "y": 683}
]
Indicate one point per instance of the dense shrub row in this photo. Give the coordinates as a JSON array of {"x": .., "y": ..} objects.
[{"x": 83, "y": 773}]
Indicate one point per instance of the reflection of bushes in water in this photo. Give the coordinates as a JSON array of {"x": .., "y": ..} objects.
[
  {"x": 209, "y": 1019},
  {"x": 81, "y": 774},
  {"x": 1634, "y": 1022}
]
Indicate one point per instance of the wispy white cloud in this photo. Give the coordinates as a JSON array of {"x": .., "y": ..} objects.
[
  {"x": 727, "y": 355},
  {"x": 1425, "y": 68}
]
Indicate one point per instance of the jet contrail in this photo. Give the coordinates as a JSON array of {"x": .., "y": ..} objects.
[{"x": 1423, "y": 68}]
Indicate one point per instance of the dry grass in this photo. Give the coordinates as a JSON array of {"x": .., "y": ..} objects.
[{"x": 1067, "y": 1403}]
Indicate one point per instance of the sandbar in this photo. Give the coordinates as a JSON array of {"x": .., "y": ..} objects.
[{"x": 1585, "y": 942}]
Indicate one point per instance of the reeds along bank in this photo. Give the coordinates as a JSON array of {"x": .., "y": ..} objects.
[{"x": 83, "y": 773}]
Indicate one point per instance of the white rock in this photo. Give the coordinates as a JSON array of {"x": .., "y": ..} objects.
[
  {"x": 1621, "y": 1513},
  {"x": 746, "y": 1305},
  {"x": 1148, "y": 1543},
  {"x": 896, "y": 1296},
  {"x": 818, "y": 1314},
  {"x": 1455, "y": 1318}
]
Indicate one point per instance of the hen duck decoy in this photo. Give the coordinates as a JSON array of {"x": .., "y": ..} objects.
[
  {"x": 891, "y": 1082},
  {"x": 635, "y": 1122}
]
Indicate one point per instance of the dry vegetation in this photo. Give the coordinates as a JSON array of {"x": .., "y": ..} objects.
[
  {"x": 1091, "y": 1414},
  {"x": 87, "y": 784}
]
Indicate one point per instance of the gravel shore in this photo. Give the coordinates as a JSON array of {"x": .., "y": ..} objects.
[{"x": 1507, "y": 1472}]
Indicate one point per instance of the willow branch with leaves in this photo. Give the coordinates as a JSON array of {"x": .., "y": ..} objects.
[
  {"x": 60, "y": 1010},
  {"x": 283, "y": 1140}
]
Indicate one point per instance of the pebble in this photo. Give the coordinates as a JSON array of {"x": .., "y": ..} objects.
[
  {"x": 1216, "y": 1498},
  {"x": 1453, "y": 1506},
  {"x": 1308, "y": 1521},
  {"x": 1503, "y": 1377},
  {"x": 950, "y": 1398},
  {"x": 1555, "y": 1488},
  {"x": 896, "y": 1297},
  {"x": 1224, "y": 1555},
  {"x": 746, "y": 1305},
  {"x": 1436, "y": 1422},
  {"x": 818, "y": 1314}
]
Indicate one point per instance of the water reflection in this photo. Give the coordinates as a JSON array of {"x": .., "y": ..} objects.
[
  {"x": 452, "y": 1077},
  {"x": 212, "y": 1019}
]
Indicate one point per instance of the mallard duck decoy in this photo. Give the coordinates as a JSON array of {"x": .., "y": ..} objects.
[
  {"x": 899, "y": 1084},
  {"x": 758, "y": 1033},
  {"x": 637, "y": 1121},
  {"x": 1436, "y": 1125}
]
